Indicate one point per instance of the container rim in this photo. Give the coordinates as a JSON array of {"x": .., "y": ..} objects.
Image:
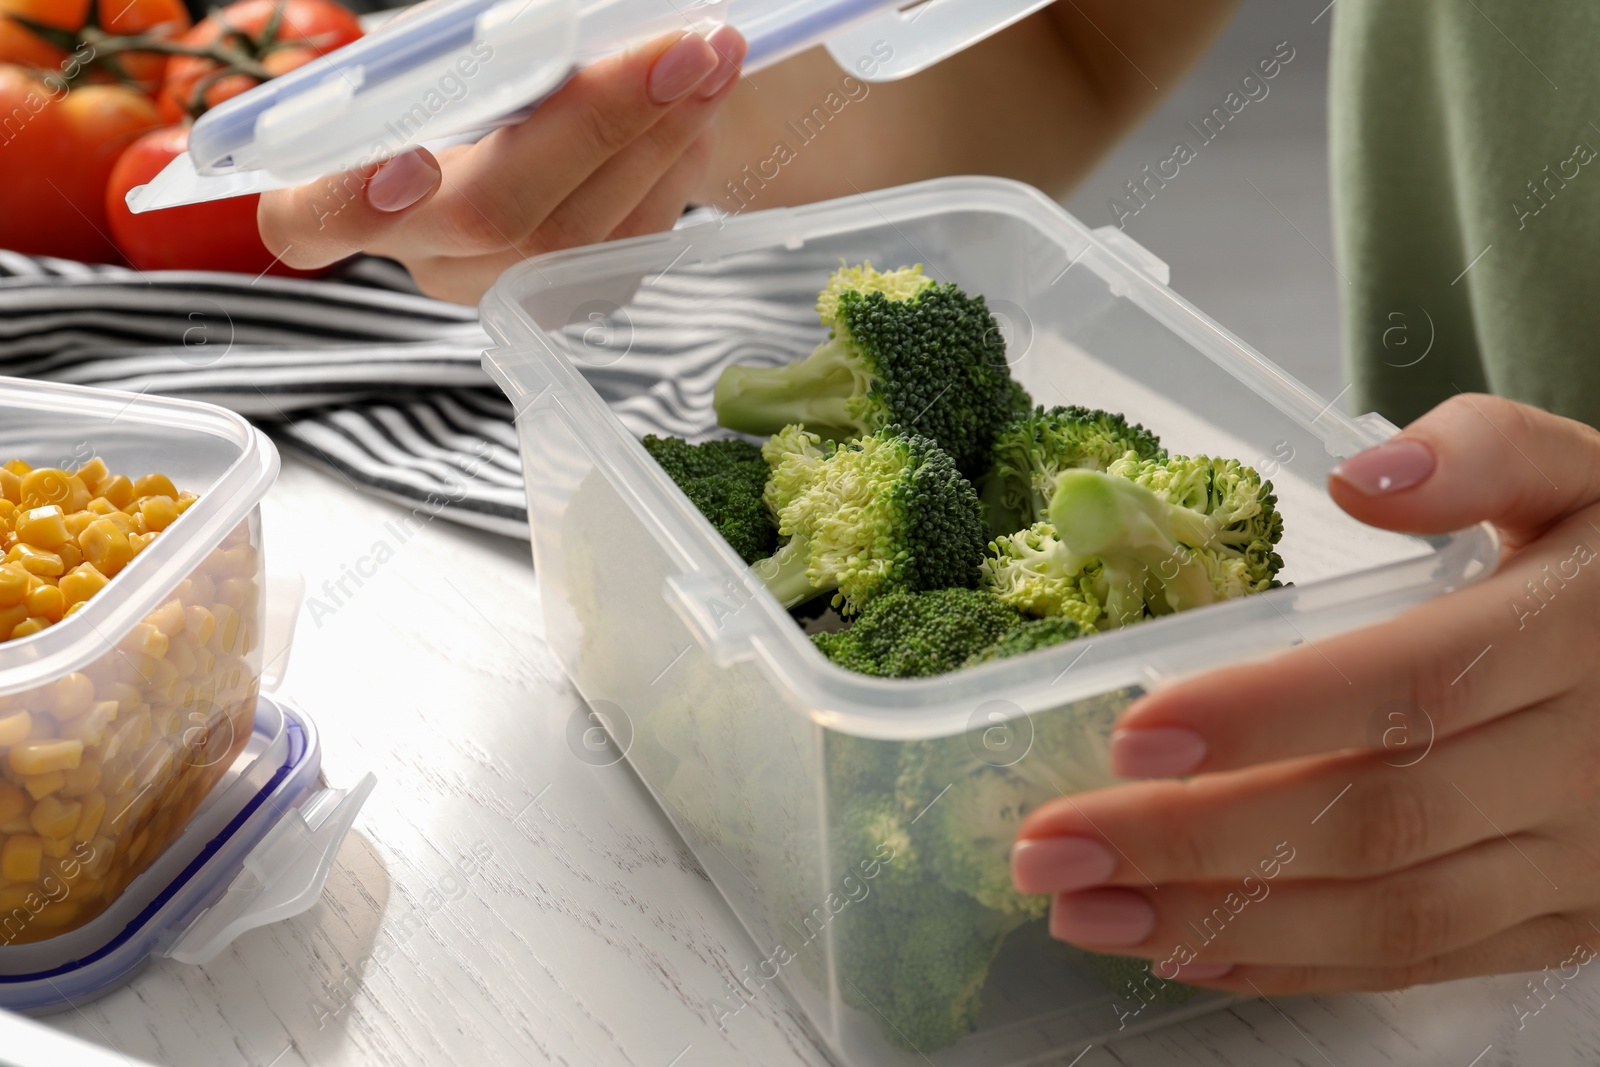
[
  {"x": 536, "y": 373},
  {"x": 140, "y": 587}
]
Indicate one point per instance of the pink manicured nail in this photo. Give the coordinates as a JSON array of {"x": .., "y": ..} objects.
[
  {"x": 1388, "y": 468},
  {"x": 1200, "y": 971},
  {"x": 1159, "y": 752},
  {"x": 1096, "y": 917},
  {"x": 680, "y": 68},
  {"x": 730, "y": 46},
  {"x": 401, "y": 182},
  {"x": 1057, "y": 864}
]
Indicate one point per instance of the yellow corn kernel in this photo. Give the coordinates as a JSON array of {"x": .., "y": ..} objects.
[
  {"x": 81, "y": 583},
  {"x": 72, "y": 695},
  {"x": 155, "y": 485},
  {"x": 43, "y": 527},
  {"x": 184, "y": 500},
  {"x": 20, "y": 858},
  {"x": 77, "y": 520},
  {"x": 84, "y": 779},
  {"x": 55, "y": 848},
  {"x": 51, "y": 485},
  {"x": 105, "y": 544},
  {"x": 18, "y": 466},
  {"x": 28, "y": 627},
  {"x": 42, "y": 785},
  {"x": 12, "y": 802},
  {"x": 91, "y": 728},
  {"x": 10, "y": 485},
  {"x": 46, "y": 602},
  {"x": 15, "y": 826},
  {"x": 139, "y": 541},
  {"x": 158, "y": 512},
  {"x": 144, "y": 640},
  {"x": 35, "y": 561},
  {"x": 71, "y": 555},
  {"x": 13, "y": 584},
  {"x": 136, "y": 847},
  {"x": 94, "y": 810},
  {"x": 54, "y": 817},
  {"x": 99, "y": 506},
  {"x": 117, "y": 489},
  {"x": 14, "y": 728},
  {"x": 200, "y": 623},
  {"x": 45, "y": 757},
  {"x": 92, "y": 473},
  {"x": 169, "y": 618}
]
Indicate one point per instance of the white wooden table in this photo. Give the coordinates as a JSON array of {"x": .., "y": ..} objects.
[{"x": 503, "y": 902}]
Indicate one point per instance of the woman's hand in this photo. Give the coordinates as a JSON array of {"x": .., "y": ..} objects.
[
  {"x": 1408, "y": 803},
  {"x": 614, "y": 153}
]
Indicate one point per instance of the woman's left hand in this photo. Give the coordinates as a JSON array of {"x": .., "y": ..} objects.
[{"x": 1413, "y": 802}]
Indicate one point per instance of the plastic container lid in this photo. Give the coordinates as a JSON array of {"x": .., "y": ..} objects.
[
  {"x": 452, "y": 71},
  {"x": 257, "y": 851}
]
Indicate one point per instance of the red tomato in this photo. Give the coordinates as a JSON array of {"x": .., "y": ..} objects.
[
  {"x": 18, "y": 44},
  {"x": 308, "y": 29},
  {"x": 221, "y": 235},
  {"x": 57, "y": 148}
]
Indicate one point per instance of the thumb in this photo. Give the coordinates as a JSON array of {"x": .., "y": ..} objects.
[
  {"x": 1474, "y": 458},
  {"x": 321, "y": 223}
]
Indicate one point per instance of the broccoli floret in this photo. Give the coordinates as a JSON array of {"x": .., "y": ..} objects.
[
  {"x": 1132, "y": 979},
  {"x": 889, "y": 511},
  {"x": 1033, "y": 634},
  {"x": 1032, "y": 450},
  {"x": 910, "y": 635},
  {"x": 725, "y": 480},
  {"x": 1031, "y": 571},
  {"x": 902, "y": 349}
]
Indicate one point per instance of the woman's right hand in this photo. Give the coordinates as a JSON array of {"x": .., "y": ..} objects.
[{"x": 616, "y": 152}]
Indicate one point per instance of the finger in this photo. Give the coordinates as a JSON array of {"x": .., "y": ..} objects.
[
  {"x": 612, "y": 194},
  {"x": 1472, "y": 459},
  {"x": 1390, "y": 921},
  {"x": 321, "y": 223},
  {"x": 1349, "y": 816},
  {"x": 1557, "y": 945},
  {"x": 663, "y": 206},
  {"x": 1439, "y": 669},
  {"x": 506, "y": 185}
]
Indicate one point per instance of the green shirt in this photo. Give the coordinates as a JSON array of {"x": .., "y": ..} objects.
[{"x": 1466, "y": 185}]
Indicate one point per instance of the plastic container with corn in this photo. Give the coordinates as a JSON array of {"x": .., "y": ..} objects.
[{"x": 129, "y": 640}]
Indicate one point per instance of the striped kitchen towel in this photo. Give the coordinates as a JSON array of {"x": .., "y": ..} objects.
[{"x": 363, "y": 375}]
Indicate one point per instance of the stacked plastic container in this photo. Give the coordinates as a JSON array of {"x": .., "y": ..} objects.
[
  {"x": 139, "y": 765},
  {"x": 752, "y": 742}
]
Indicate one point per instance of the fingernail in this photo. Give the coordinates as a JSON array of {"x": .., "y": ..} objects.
[
  {"x": 401, "y": 182},
  {"x": 1200, "y": 971},
  {"x": 1159, "y": 752},
  {"x": 680, "y": 68},
  {"x": 1102, "y": 917},
  {"x": 1056, "y": 864},
  {"x": 730, "y": 46},
  {"x": 1388, "y": 468}
]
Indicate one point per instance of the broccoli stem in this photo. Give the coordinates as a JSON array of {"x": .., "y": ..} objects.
[
  {"x": 814, "y": 391},
  {"x": 784, "y": 573}
]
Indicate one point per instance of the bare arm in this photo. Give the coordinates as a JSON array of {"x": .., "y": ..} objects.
[{"x": 1042, "y": 102}]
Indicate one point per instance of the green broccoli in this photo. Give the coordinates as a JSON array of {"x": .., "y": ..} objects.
[
  {"x": 725, "y": 480},
  {"x": 1032, "y": 634},
  {"x": 1131, "y": 979},
  {"x": 1145, "y": 537},
  {"x": 1031, "y": 450},
  {"x": 909, "y": 635},
  {"x": 902, "y": 349},
  {"x": 889, "y": 511}
]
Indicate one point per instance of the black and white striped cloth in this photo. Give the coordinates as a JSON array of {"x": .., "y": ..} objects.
[{"x": 362, "y": 374}]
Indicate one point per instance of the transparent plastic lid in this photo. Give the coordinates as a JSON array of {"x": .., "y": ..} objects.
[
  {"x": 454, "y": 69},
  {"x": 258, "y": 851},
  {"x": 204, "y": 449}
]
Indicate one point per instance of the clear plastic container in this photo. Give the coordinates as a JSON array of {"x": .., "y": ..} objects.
[
  {"x": 766, "y": 756},
  {"x": 117, "y": 721}
]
